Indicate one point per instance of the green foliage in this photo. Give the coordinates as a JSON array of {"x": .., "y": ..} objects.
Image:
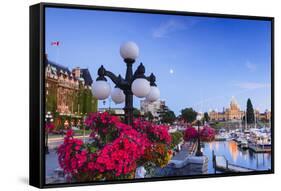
[
  {"x": 110, "y": 111},
  {"x": 168, "y": 117},
  {"x": 177, "y": 137},
  {"x": 86, "y": 103},
  {"x": 148, "y": 116},
  {"x": 206, "y": 117},
  {"x": 218, "y": 125},
  {"x": 79, "y": 101},
  {"x": 61, "y": 119},
  {"x": 136, "y": 112},
  {"x": 51, "y": 100},
  {"x": 188, "y": 114},
  {"x": 250, "y": 112}
]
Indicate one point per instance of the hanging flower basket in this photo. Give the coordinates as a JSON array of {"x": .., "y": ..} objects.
[
  {"x": 206, "y": 134},
  {"x": 116, "y": 151}
]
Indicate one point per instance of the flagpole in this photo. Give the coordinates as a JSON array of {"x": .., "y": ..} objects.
[
  {"x": 57, "y": 52},
  {"x": 57, "y": 44}
]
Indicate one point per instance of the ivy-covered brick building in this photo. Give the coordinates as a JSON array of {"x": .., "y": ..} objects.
[{"x": 68, "y": 92}]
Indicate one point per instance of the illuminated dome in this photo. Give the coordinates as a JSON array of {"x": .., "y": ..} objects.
[{"x": 234, "y": 104}]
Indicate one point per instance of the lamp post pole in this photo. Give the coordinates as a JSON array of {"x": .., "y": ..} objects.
[
  {"x": 128, "y": 93},
  {"x": 84, "y": 119},
  {"x": 46, "y": 142},
  {"x": 48, "y": 119},
  {"x": 198, "y": 152}
]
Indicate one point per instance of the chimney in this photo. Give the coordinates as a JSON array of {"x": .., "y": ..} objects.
[{"x": 76, "y": 72}]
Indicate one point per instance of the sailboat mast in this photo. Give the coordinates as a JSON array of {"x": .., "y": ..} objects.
[
  {"x": 240, "y": 123},
  {"x": 255, "y": 119},
  {"x": 246, "y": 119}
]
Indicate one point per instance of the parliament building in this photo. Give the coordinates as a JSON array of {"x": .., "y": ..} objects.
[{"x": 234, "y": 113}]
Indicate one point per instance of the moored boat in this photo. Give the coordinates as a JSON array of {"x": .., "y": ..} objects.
[{"x": 244, "y": 144}]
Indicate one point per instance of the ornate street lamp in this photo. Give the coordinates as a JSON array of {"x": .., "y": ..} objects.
[
  {"x": 48, "y": 119},
  {"x": 198, "y": 152},
  {"x": 134, "y": 83}
]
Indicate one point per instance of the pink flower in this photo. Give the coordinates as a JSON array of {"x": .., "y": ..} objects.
[
  {"x": 206, "y": 133},
  {"x": 190, "y": 134},
  {"x": 91, "y": 165},
  {"x": 69, "y": 133},
  {"x": 49, "y": 127},
  {"x": 77, "y": 148},
  {"x": 117, "y": 148}
]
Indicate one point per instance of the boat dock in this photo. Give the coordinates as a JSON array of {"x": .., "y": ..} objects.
[
  {"x": 260, "y": 148},
  {"x": 220, "y": 163}
]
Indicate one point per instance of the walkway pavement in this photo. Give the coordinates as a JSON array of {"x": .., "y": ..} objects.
[
  {"x": 54, "y": 142},
  {"x": 51, "y": 159},
  {"x": 183, "y": 154},
  {"x": 51, "y": 162}
]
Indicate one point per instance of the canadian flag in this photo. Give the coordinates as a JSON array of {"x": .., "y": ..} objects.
[{"x": 55, "y": 43}]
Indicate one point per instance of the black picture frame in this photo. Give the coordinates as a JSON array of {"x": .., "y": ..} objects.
[{"x": 37, "y": 92}]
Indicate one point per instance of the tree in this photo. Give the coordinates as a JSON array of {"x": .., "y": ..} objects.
[
  {"x": 206, "y": 117},
  {"x": 176, "y": 138},
  {"x": 188, "y": 114},
  {"x": 84, "y": 102},
  {"x": 51, "y": 103},
  {"x": 250, "y": 112},
  {"x": 149, "y": 116},
  {"x": 168, "y": 117},
  {"x": 136, "y": 113},
  {"x": 51, "y": 98}
]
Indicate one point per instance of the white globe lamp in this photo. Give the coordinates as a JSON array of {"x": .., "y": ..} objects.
[
  {"x": 117, "y": 95},
  {"x": 140, "y": 87},
  {"x": 129, "y": 50},
  {"x": 154, "y": 94},
  {"x": 198, "y": 117},
  {"x": 101, "y": 89}
]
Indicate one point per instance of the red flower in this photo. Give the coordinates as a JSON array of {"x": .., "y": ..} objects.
[
  {"x": 117, "y": 148},
  {"x": 91, "y": 165},
  {"x": 154, "y": 132},
  {"x": 206, "y": 133},
  {"x": 77, "y": 148},
  {"x": 49, "y": 127},
  {"x": 190, "y": 133},
  {"x": 69, "y": 133}
]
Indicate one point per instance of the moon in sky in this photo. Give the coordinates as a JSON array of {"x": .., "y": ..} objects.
[{"x": 171, "y": 71}]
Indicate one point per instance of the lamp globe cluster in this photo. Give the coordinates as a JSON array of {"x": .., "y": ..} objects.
[{"x": 140, "y": 87}]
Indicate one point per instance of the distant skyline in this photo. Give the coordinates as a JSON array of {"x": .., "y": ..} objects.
[{"x": 199, "y": 62}]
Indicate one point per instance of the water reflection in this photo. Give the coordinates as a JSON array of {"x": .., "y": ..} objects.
[
  {"x": 235, "y": 155},
  {"x": 233, "y": 149}
]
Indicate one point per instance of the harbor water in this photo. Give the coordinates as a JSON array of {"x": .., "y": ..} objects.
[{"x": 236, "y": 155}]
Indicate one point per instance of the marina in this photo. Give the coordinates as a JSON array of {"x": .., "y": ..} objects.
[
  {"x": 237, "y": 158},
  {"x": 242, "y": 149},
  {"x": 221, "y": 163}
]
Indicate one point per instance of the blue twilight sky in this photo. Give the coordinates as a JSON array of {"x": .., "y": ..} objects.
[{"x": 199, "y": 62}]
